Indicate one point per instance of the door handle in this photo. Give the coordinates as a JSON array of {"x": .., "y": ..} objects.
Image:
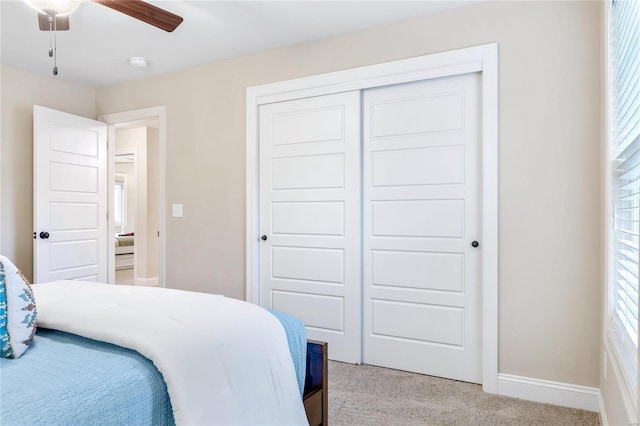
[
  {"x": 263, "y": 238},
  {"x": 44, "y": 235},
  {"x": 475, "y": 244}
]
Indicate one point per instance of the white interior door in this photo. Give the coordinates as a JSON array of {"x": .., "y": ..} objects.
[
  {"x": 70, "y": 197},
  {"x": 310, "y": 217},
  {"x": 422, "y": 294}
]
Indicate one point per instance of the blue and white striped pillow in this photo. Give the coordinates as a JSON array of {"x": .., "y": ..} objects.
[{"x": 17, "y": 311}]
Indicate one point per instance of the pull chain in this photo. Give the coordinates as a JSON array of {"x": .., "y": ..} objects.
[
  {"x": 50, "y": 37},
  {"x": 53, "y": 43},
  {"x": 55, "y": 47}
]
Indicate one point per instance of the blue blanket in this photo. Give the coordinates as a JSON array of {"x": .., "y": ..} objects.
[
  {"x": 66, "y": 379},
  {"x": 297, "y": 338}
]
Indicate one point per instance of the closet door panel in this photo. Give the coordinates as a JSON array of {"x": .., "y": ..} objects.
[
  {"x": 310, "y": 214},
  {"x": 308, "y": 217},
  {"x": 421, "y": 210},
  {"x": 422, "y": 166}
]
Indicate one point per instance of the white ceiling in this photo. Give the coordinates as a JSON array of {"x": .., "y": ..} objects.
[{"x": 95, "y": 51}]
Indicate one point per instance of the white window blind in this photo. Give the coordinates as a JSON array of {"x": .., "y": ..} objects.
[{"x": 625, "y": 179}]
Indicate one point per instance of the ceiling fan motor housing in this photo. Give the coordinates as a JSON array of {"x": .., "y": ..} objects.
[{"x": 55, "y": 7}]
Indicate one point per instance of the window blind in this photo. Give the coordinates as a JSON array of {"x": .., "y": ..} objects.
[{"x": 625, "y": 168}]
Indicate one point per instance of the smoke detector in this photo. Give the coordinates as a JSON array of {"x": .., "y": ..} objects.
[{"x": 138, "y": 62}]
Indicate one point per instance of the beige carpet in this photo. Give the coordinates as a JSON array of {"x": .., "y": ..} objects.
[
  {"x": 124, "y": 276},
  {"x": 367, "y": 395}
]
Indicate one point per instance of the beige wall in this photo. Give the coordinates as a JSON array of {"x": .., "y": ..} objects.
[
  {"x": 20, "y": 92},
  {"x": 549, "y": 146}
]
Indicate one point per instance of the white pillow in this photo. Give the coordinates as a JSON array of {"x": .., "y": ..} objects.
[{"x": 17, "y": 311}]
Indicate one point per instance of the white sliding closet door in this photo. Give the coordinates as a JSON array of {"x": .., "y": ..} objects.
[
  {"x": 422, "y": 294},
  {"x": 310, "y": 190}
]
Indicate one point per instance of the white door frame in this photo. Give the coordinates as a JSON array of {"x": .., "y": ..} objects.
[
  {"x": 159, "y": 113},
  {"x": 484, "y": 59}
]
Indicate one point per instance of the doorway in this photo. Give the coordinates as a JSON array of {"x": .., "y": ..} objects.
[
  {"x": 136, "y": 203},
  {"x": 137, "y": 148}
]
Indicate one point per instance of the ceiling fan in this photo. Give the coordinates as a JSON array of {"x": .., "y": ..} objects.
[
  {"x": 53, "y": 16},
  {"x": 59, "y": 11}
]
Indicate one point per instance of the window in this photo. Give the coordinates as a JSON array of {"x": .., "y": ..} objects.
[
  {"x": 624, "y": 135},
  {"x": 119, "y": 200}
]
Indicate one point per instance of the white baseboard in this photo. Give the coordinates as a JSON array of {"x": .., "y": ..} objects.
[
  {"x": 147, "y": 281},
  {"x": 564, "y": 394},
  {"x": 603, "y": 411}
]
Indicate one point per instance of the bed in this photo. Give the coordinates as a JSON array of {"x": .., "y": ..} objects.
[
  {"x": 125, "y": 247},
  {"x": 80, "y": 371}
]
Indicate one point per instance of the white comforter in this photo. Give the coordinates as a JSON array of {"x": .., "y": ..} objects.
[{"x": 224, "y": 361}]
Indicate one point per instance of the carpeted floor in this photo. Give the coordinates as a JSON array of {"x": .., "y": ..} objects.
[
  {"x": 124, "y": 276},
  {"x": 368, "y": 395}
]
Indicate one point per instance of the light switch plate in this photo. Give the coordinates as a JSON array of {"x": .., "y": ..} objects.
[{"x": 176, "y": 210}]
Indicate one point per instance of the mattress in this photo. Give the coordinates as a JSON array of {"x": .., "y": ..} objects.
[
  {"x": 67, "y": 379},
  {"x": 124, "y": 244},
  {"x": 124, "y": 250},
  {"x": 124, "y": 241}
]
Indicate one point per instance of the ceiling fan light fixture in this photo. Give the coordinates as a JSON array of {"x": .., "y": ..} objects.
[
  {"x": 55, "y": 7},
  {"x": 138, "y": 62}
]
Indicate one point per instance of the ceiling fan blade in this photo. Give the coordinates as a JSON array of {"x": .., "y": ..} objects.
[
  {"x": 62, "y": 22},
  {"x": 145, "y": 12}
]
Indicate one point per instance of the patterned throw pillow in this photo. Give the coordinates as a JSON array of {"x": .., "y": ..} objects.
[{"x": 17, "y": 311}]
